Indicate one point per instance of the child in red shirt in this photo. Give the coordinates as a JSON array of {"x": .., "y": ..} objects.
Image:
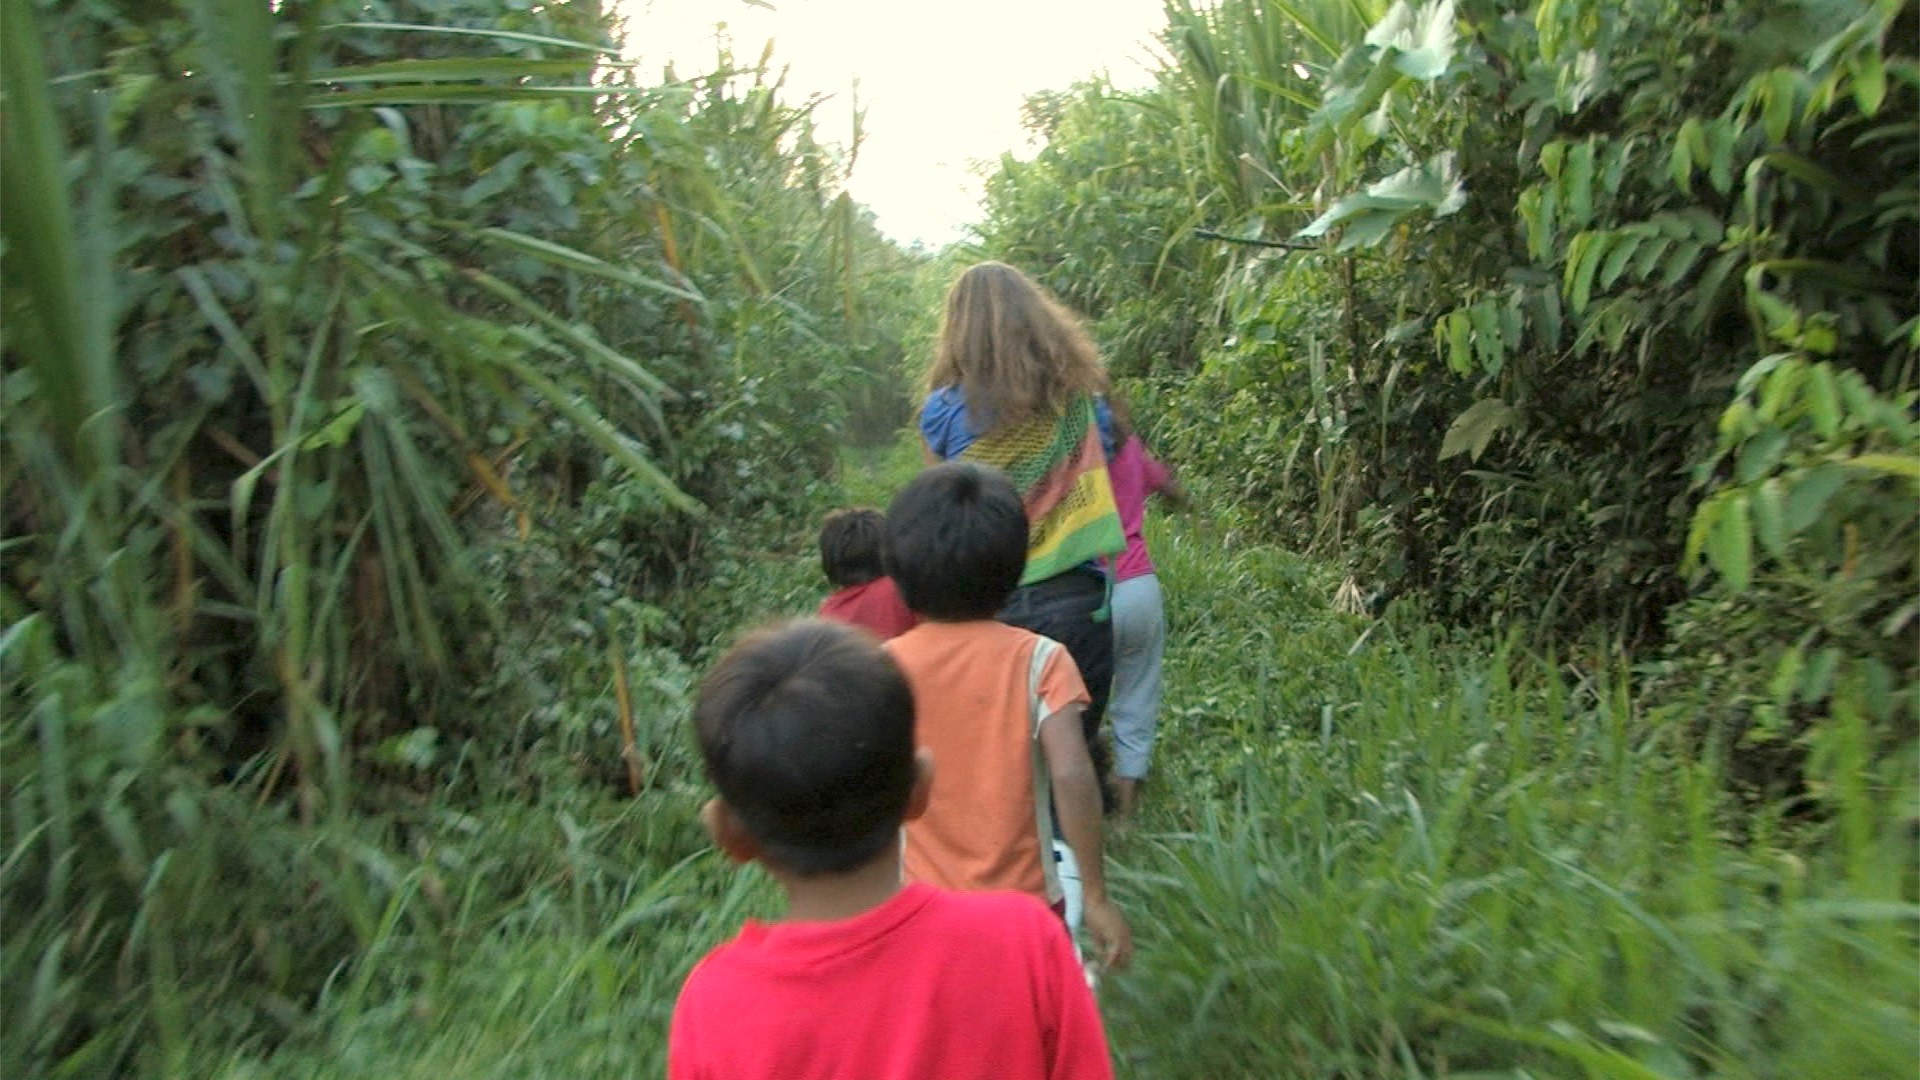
[
  {"x": 808, "y": 733},
  {"x": 850, "y": 552}
]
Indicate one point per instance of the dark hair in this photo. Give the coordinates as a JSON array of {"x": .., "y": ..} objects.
[
  {"x": 1122, "y": 414},
  {"x": 957, "y": 541},
  {"x": 807, "y": 730},
  {"x": 851, "y": 542}
]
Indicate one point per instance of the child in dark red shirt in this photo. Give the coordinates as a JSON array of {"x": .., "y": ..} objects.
[
  {"x": 808, "y": 733},
  {"x": 851, "y": 545}
]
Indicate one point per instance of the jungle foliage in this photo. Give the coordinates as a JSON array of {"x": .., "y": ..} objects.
[
  {"x": 1384, "y": 849},
  {"x": 1096, "y": 215},
  {"x": 365, "y": 367},
  {"x": 1369, "y": 848},
  {"x": 400, "y": 400},
  {"x": 1601, "y": 319}
]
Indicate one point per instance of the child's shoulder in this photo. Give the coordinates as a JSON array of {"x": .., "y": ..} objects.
[
  {"x": 997, "y": 913},
  {"x": 983, "y": 903},
  {"x": 716, "y": 977},
  {"x": 973, "y": 635},
  {"x": 933, "y": 913}
]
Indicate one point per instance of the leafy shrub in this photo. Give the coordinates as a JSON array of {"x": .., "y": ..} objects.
[
  {"x": 358, "y": 377},
  {"x": 1104, "y": 216},
  {"x": 1399, "y": 851},
  {"x": 1811, "y": 535},
  {"x": 1511, "y": 305}
]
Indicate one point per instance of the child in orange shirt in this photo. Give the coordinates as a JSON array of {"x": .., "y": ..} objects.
[{"x": 999, "y": 707}]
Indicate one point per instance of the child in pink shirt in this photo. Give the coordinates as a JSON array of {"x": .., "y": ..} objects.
[{"x": 1139, "y": 616}]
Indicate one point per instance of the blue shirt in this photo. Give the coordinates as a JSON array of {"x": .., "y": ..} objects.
[{"x": 948, "y": 426}]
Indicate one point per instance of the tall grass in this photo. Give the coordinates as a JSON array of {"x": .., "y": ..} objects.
[
  {"x": 551, "y": 943},
  {"x": 1371, "y": 852},
  {"x": 237, "y": 426},
  {"x": 1251, "y": 72},
  {"x": 547, "y": 931},
  {"x": 1366, "y": 850}
]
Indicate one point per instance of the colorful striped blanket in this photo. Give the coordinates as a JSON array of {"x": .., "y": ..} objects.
[{"x": 1060, "y": 470}]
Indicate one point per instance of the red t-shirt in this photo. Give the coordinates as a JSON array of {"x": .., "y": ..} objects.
[
  {"x": 959, "y": 986},
  {"x": 876, "y": 606}
]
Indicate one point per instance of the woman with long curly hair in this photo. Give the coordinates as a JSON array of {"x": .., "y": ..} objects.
[{"x": 1017, "y": 384}]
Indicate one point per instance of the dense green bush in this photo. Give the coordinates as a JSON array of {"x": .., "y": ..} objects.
[
  {"x": 1105, "y": 215},
  {"x": 1537, "y": 226},
  {"x": 1813, "y": 536},
  {"x": 1494, "y": 278},
  {"x": 1382, "y": 849},
  {"x": 367, "y": 371}
]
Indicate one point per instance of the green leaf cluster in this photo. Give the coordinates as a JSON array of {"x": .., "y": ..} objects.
[
  {"x": 1594, "y": 217},
  {"x": 1491, "y": 298},
  {"x": 353, "y": 357}
]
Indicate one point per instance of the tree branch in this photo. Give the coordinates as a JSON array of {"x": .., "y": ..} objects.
[{"x": 1283, "y": 245}]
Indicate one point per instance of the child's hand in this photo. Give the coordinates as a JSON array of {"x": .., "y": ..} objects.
[{"x": 1109, "y": 929}]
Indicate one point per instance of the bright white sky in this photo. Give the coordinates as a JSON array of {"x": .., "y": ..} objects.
[{"x": 941, "y": 83}]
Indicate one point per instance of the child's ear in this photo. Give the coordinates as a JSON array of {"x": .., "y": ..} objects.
[
  {"x": 729, "y": 833},
  {"x": 922, "y": 784}
]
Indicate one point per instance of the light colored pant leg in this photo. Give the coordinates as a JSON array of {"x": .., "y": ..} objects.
[{"x": 1139, "y": 643}]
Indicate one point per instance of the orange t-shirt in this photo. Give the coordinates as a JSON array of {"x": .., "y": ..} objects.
[{"x": 980, "y": 691}]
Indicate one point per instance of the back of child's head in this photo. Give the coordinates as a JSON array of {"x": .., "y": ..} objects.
[
  {"x": 957, "y": 542},
  {"x": 851, "y": 546},
  {"x": 807, "y": 731}
]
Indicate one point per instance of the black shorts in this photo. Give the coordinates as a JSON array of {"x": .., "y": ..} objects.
[{"x": 1071, "y": 608}]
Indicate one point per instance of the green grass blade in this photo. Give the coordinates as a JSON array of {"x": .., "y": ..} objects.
[
  {"x": 560, "y": 255},
  {"x": 59, "y": 324},
  {"x": 620, "y": 365},
  {"x": 597, "y": 428},
  {"x": 460, "y": 94},
  {"x": 513, "y": 36},
  {"x": 452, "y": 69}
]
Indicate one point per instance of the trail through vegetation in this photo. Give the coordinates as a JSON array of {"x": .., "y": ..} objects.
[
  {"x": 1366, "y": 849},
  {"x": 403, "y": 401}
]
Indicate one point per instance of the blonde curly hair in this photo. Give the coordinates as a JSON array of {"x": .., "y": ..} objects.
[{"x": 1015, "y": 352}]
